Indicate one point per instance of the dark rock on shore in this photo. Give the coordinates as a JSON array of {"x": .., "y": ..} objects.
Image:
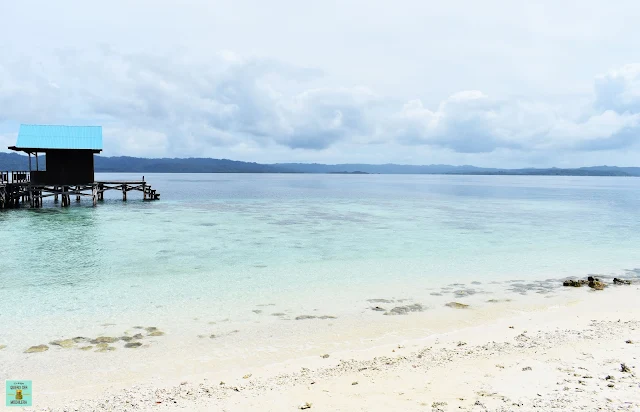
[
  {"x": 618, "y": 281},
  {"x": 596, "y": 284},
  {"x": 575, "y": 283}
]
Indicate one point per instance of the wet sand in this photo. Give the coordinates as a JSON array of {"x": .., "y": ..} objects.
[{"x": 562, "y": 350}]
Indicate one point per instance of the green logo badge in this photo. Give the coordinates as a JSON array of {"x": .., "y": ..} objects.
[{"x": 18, "y": 393}]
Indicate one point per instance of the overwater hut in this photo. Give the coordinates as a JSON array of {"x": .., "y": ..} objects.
[
  {"x": 69, "y": 152},
  {"x": 69, "y": 168}
]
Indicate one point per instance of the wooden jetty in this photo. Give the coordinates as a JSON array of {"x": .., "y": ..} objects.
[{"x": 69, "y": 171}]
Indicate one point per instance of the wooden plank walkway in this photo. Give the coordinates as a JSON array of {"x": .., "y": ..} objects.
[{"x": 14, "y": 194}]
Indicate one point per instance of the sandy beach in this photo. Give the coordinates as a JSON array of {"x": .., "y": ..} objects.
[{"x": 577, "y": 352}]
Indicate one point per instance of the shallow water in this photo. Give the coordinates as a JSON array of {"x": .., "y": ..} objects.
[{"x": 219, "y": 246}]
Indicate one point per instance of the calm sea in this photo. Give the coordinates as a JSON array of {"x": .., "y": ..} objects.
[{"x": 222, "y": 244}]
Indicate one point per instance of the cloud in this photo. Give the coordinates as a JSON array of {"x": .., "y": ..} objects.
[
  {"x": 619, "y": 89},
  {"x": 181, "y": 104},
  {"x": 224, "y": 101},
  {"x": 472, "y": 122}
]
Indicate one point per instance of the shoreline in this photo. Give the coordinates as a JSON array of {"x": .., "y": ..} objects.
[{"x": 105, "y": 376}]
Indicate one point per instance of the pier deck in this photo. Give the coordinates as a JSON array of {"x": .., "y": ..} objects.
[{"x": 19, "y": 190}]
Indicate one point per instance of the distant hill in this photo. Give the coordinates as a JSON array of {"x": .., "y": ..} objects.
[
  {"x": 187, "y": 165},
  {"x": 14, "y": 161},
  {"x": 462, "y": 170}
]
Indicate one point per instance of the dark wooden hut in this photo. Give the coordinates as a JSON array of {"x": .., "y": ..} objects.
[{"x": 69, "y": 152}]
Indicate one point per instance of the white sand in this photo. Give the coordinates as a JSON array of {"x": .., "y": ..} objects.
[{"x": 557, "y": 356}]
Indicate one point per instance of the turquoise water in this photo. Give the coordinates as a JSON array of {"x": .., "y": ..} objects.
[{"x": 222, "y": 244}]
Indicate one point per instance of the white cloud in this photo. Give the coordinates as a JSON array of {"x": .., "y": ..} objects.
[
  {"x": 472, "y": 122},
  {"x": 184, "y": 104},
  {"x": 619, "y": 89}
]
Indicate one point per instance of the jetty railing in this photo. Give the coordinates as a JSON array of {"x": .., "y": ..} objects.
[
  {"x": 20, "y": 176},
  {"x": 4, "y": 176}
]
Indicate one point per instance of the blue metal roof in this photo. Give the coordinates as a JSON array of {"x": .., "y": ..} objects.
[{"x": 32, "y": 136}]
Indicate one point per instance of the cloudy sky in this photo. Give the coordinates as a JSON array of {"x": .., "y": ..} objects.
[{"x": 490, "y": 83}]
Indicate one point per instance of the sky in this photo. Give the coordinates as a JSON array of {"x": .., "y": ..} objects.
[{"x": 489, "y": 83}]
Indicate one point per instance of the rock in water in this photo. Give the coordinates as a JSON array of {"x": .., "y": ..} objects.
[
  {"x": 104, "y": 339},
  {"x": 126, "y": 338},
  {"x": 133, "y": 345},
  {"x": 156, "y": 333},
  {"x": 304, "y": 317},
  {"x": 305, "y": 405},
  {"x": 617, "y": 281},
  {"x": 106, "y": 348},
  {"x": 596, "y": 284},
  {"x": 36, "y": 349},
  {"x": 67, "y": 343},
  {"x": 2, "y": 346},
  {"x": 85, "y": 348},
  {"x": 403, "y": 310},
  {"x": 457, "y": 305}
]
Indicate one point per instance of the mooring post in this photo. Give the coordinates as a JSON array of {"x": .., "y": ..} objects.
[
  {"x": 144, "y": 189},
  {"x": 124, "y": 192}
]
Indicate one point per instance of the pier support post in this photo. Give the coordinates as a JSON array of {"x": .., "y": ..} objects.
[
  {"x": 55, "y": 197},
  {"x": 94, "y": 194},
  {"x": 124, "y": 192},
  {"x": 65, "y": 196}
]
